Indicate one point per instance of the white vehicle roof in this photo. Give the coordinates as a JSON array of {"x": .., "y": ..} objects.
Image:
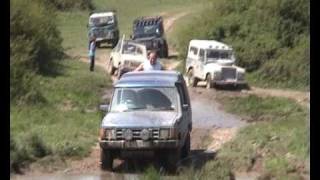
[
  {"x": 95, "y": 15},
  {"x": 209, "y": 44}
]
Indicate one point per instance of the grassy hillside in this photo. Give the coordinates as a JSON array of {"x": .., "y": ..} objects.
[
  {"x": 66, "y": 124},
  {"x": 271, "y": 38}
]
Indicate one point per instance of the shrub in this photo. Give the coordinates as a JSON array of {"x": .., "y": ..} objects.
[
  {"x": 270, "y": 37},
  {"x": 35, "y": 45}
]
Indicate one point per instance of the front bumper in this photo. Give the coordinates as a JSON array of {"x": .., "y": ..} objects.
[
  {"x": 229, "y": 82},
  {"x": 139, "y": 144}
]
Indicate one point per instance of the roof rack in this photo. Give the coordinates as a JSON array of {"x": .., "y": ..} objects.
[
  {"x": 102, "y": 11},
  {"x": 147, "y": 20}
]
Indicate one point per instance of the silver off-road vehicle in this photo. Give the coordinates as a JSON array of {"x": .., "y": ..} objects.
[
  {"x": 104, "y": 26},
  {"x": 149, "y": 115},
  {"x": 213, "y": 62}
]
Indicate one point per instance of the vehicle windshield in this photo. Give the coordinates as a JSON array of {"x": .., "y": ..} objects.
[
  {"x": 145, "y": 98},
  {"x": 128, "y": 48},
  {"x": 101, "y": 21},
  {"x": 146, "y": 31},
  {"x": 218, "y": 54}
]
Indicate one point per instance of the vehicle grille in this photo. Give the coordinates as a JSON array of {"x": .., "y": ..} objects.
[
  {"x": 100, "y": 33},
  {"x": 136, "y": 134},
  {"x": 229, "y": 73}
]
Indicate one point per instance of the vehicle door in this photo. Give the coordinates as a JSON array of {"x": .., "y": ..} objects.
[
  {"x": 117, "y": 54},
  {"x": 201, "y": 64},
  {"x": 185, "y": 120},
  {"x": 192, "y": 58}
]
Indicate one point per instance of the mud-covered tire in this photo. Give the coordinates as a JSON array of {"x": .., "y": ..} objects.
[
  {"x": 209, "y": 83},
  {"x": 186, "y": 148},
  {"x": 192, "y": 80},
  {"x": 106, "y": 159},
  {"x": 173, "y": 157},
  {"x": 111, "y": 68}
]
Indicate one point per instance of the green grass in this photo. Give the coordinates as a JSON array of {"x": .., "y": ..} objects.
[
  {"x": 67, "y": 123},
  {"x": 254, "y": 79},
  {"x": 276, "y": 144},
  {"x": 278, "y": 140}
]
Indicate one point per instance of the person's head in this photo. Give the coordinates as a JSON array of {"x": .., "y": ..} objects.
[
  {"x": 93, "y": 38},
  {"x": 152, "y": 57}
]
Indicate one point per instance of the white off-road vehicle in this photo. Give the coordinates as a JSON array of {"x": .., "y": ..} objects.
[
  {"x": 126, "y": 56},
  {"x": 213, "y": 62}
]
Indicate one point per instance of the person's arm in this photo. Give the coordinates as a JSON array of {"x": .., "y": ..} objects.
[{"x": 139, "y": 68}]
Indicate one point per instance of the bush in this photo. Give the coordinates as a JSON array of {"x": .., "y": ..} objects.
[
  {"x": 35, "y": 44},
  {"x": 270, "y": 37},
  {"x": 63, "y": 5}
]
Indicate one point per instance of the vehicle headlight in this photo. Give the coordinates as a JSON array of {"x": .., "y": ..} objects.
[
  {"x": 145, "y": 134},
  {"x": 127, "y": 134},
  {"x": 217, "y": 75},
  {"x": 164, "y": 134},
  {"x": 110, "y": 134},
  {"x": 240, "y": 76},
  {"x": 174, "y": 133}
]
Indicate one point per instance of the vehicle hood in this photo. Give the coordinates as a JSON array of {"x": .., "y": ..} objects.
[
  {"x": 140, "y": 119},
  {"x": 132, "y": 57}
]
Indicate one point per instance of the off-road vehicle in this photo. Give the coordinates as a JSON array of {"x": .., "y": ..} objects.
[
  {"x": 149, "y": 116},
  {"x": 104, "y": 26},
  {"x": 150, "y": 31},
  {"x": 213, "y": 62},
  {"x": 125, "y": 57}
]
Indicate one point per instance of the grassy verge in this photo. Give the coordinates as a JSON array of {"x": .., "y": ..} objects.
[
  {"x": 66, "y": 124},
  {"x": 275, "y": 146},
  {"x": 254, "y": 79}
]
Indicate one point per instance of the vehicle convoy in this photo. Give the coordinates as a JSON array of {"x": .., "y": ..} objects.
[
  {"x": 213, "y": 62},
  {"x": 150, "y": 31},
  {"x": 126, "y": 56},
  {"x": 149, "y": 116},
  {"x": 104, "y": 25}
]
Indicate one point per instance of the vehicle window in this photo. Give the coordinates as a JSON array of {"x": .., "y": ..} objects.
[
  {"x": 194, "y": 50},
  {"x": 98, "y": 21},
  {"x": 215, "y": 54},
  {"x": 151, "y": 99},
  {"x": 201, "y": 54},
  {"x": 128, "y": 48}
]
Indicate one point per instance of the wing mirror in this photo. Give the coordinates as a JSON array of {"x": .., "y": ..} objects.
[
  {"x": 104, "y": 107},
  {"x": 185, "y": 106}
]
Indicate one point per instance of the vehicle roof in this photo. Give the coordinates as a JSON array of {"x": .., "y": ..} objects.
[
  {"x": 104, "y": 14},
  {"x": 209, "y": 44},
  {"x": 147, "y": 20},
  {"x": 149, "y": 78}
]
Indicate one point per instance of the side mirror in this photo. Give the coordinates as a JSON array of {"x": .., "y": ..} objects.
[
  {"x": 185, "y": 106},
  {"x": 104, "y": 107}
]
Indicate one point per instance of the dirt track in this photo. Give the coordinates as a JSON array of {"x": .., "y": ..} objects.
[{"x": 211, "y": 128}]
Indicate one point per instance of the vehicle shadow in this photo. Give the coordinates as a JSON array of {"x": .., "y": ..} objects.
[{"x": 196, "y": 160}]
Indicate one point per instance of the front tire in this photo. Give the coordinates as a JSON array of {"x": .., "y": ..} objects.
[
  {"x": 111, "y": 68},
  {"x": 192, "y": 81},
  {"x": 173, "y": 157},
  {"x": 209, "y": 83},
  {"x": 106, "y": 159},
  {"x": 186, "y": 147}
]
